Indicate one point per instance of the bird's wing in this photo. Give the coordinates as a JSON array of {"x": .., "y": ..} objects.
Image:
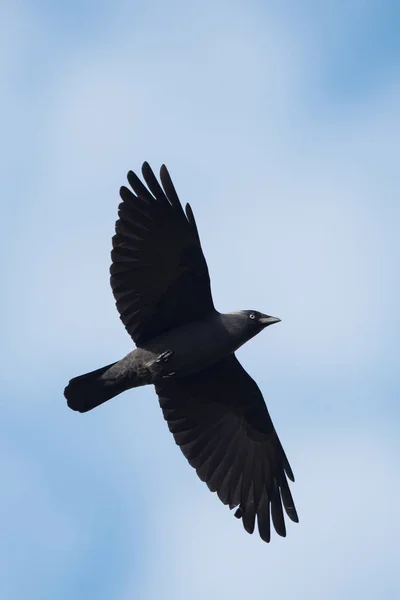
[
  {"x": 219, "y": 419},
  {"x": 159, "y": 276}
]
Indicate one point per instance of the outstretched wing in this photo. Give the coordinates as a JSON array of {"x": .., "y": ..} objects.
[
  {"x": 159, "y": 276},
  {"x": 219, "y": 419}
]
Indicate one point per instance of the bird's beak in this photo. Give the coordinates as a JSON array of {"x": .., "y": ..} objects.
[{"x": 269, "y": 320}]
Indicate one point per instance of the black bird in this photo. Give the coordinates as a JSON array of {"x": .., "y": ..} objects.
[{"x": 185, "y": 347}]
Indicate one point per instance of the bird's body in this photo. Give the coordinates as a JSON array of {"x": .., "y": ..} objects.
[
  {"x": 185, "y": 347},
  {"x": 194, "y": 346},
  {"x": 200, "y": 344},
  {"x": 178, "y": 353}
]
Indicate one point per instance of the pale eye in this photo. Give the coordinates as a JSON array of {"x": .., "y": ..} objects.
[{"x": 252, "y": 316}]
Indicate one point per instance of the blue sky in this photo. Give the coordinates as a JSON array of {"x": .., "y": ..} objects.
[{"x": 281, "y": 127}]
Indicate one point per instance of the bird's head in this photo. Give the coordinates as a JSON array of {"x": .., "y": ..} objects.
[
  {"x": 245, "y": 324},
  {"x": 257, "y": 320}
]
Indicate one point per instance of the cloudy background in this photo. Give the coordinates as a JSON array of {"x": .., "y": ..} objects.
[{"x": 280, "y": 123}]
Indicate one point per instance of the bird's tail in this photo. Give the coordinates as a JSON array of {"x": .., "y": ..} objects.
[{"x": 92, "y": 389}]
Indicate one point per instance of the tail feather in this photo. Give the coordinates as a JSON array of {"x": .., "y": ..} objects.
[{"x": 92, "y": 389}]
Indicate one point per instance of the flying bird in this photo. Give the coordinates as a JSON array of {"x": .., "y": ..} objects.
[{"x": 186, "y": 349}]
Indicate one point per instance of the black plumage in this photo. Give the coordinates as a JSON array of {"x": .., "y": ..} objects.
[
  {"x": 214, "y": 409},
  {"x": 159, "y": 275}
]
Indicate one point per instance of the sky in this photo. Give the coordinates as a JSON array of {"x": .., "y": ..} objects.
[{"x": 280, "y": 124}]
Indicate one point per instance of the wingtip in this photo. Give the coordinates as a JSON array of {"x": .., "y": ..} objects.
[
  {"x": 292, "y": 513},
  {"x": 238, "y": 513},
  {"x": 289, "y": 474},
  {"x": 264, "y": 530},
  {"x": 281, "y": 533},
  {"x": 132, "y": 178},
  {"x": 189, "y": 213},
  {"x": 146, "y": 167},
  {"x": 164, "y": 171},
  {"x": 279, "y": 526}
]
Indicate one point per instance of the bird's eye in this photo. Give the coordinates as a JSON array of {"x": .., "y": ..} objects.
[{"x": 252, "y": 316}]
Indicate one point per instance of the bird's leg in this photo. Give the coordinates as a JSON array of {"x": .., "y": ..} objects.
[
  {"x": 158, "y": 367},
  {"x": 168, "y": 375},
  {"x": 164, "y": 356}
]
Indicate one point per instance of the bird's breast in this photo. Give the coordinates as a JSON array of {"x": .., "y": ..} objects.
[{"x": 194, "y": 346}]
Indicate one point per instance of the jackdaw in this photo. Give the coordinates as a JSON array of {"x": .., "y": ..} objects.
[{"x": 186, "y": 349}]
